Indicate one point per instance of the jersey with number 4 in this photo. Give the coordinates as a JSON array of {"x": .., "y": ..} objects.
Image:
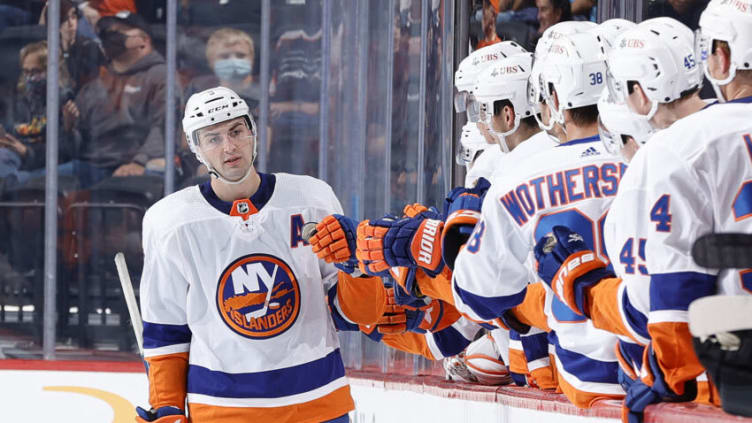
[
  {"x": 699, "y": 179},
  {"x": 571, "y": 185}
]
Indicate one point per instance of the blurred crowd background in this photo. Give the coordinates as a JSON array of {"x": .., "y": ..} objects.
[{"x": 358, "y": 93}]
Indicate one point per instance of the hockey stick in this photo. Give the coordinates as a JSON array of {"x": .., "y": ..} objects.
[
  {"x": 130, "y": 300},
  {"x": 723, "y": 251}
]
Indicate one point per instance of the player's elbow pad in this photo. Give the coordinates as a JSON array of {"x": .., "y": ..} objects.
[{"x": 457, "y": 229}]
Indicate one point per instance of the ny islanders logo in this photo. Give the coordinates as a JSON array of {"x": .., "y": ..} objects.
[{"x": 258, "y": 296}]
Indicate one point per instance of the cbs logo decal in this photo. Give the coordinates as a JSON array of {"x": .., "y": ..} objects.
[{"x": 258, "y": 296}]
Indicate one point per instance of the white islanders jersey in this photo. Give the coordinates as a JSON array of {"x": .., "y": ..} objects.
[
  {"x": 246, "y": 300},
  {"x": 573, "y": 185}
]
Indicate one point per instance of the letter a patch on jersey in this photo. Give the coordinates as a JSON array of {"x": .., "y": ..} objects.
[{"x": 258, "y": 296}]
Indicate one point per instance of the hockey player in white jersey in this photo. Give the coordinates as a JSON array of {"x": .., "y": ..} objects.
[
  {"x": 685, "y": 191},
  {"x": 236, "y": 325},
  {"x": 479, "y": 157},
  {"x": 573, "y": 183}
]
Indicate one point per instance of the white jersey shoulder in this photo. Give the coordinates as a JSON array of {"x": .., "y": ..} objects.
[
  {"x": 485, "y": 165},
  {"x": 698, "y": 173}
]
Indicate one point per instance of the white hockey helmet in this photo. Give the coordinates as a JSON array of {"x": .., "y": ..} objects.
[
  {"x": 506, "y": 80},
  {"x": 729, "y": 21},
  {"x": 210, "y": 107},
  {"x": 551, "y": 34},
  {"x": 576, "y": 70},
  {"x": 659, "y": 55},
  {"x": 471, "y": 142},
  {"x": 466, "y": 76},
  {"x": 609, "y": 30},
  {"x": 616, "y": 122}
]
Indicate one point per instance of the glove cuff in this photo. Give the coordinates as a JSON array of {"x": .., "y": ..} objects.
[
  {"x": 425, "y": 246},
  {"x": 457, "y": 230},
  {"x": 579, "y": 271}
]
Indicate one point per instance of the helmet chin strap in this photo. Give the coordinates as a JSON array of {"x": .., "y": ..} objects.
[
  {"x": 502, "y": 136},
  {"x": 216, "y": 174},
  {"x": 717, "y": 83}
]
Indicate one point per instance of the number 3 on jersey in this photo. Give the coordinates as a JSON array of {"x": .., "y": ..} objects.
[
  {"x": 474, "y": 244},
  {"x": 660, "y": 214}
]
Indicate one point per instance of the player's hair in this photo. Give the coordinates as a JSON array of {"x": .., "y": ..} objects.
[
  {"x": 682, "y": 96},
  {"x": 228, "y": 36},
  {"x": 585, "y": 115},
  {"x": 499, "y": 105}
]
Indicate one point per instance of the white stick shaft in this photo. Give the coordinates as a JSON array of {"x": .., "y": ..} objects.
[{"x": 130, "y": 300}]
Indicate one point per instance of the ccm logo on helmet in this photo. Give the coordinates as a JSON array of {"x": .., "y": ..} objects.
[
  {"x": 218, "y": 108},
  {"x": 258, "y": 296}
]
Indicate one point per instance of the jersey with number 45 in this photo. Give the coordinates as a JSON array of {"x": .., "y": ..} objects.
[
  {"x": 571, "y": 185},
  {"x": 699, "y": 180}
]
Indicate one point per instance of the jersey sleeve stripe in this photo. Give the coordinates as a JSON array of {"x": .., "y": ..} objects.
[
  {"x": 158, "y": 335},
  {"x": 489, "y": 308},
  {"x": 636, "y": 321},
  {"x": 168, "y": 349},
  {"x": 674, "y": 291},
  {"x": 587, "y": 369},
  {"x": 267, "y": 384},
  {"x": 535, "y": 346},
  {"x": 664, "y": 316},
  {"x": 450, "y": 341}
]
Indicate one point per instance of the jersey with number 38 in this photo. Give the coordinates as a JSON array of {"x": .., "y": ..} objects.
[{"x": 570, "y": 185}]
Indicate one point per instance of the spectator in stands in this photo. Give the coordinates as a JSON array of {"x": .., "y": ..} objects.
[
  {"x": 81, "y": 54},
  {"x": 583, "y": 10},
  {"x": 93, "y": 10},
  {"x": 488, "y": 23},
  {"x": 22, "y": 150},
  {"x": 295, "y": 90},
  {"x": 118, "y": 118},
  {"x": 685, "y": 11},
  {"x": 551, "y": 12},
  {"x": 230, "y": 54}
]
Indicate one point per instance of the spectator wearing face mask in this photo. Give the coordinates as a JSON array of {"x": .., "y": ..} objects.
[
  {"x": 22, "y": 148},
  {"x": 230, "y": 54},
  {"x": 118, "y": 118},
  {"x": 81, "y": 53}
]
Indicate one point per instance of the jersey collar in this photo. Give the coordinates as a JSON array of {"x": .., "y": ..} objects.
[
  {"x": 581, "y": 141},
  {"x": 743, "y": 100},
  {"x": 246, "y": 206}
]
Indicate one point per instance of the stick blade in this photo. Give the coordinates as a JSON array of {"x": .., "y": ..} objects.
[{"x": 723, "y": 251}]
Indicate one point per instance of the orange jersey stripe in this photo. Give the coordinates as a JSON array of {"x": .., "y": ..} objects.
[
  {"x": 362, "y": 300},
  {"x": 167, "y": 379},
  {"x": 410, "y": 342},
  {"x": 672, "y": 344},
  {"x": 582, "y": 399},
  {"x": 325, "y": 408},
  {"x": 438, "y": 288},
  {"x": 604, "y": 305},
  {"x": 531, "y": 310},
  {"x": 517, "y": 361}
]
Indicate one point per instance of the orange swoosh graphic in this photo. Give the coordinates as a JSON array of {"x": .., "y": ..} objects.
[{"x": 123, "y": 410}]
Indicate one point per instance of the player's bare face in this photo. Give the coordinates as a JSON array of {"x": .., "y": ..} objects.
[{"x": 228, "y": 147}]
